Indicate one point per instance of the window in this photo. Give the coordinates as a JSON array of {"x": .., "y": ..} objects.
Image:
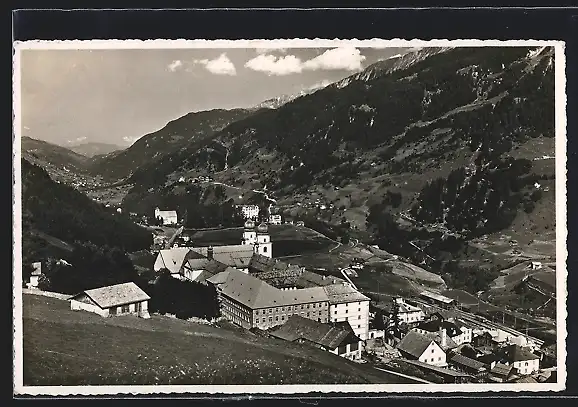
[
  {"x": 318, "y": 319},
  {"x": 301, "y": 306},
  {"x": 282, "y": 317},
  {"x": 270, "y": 319},
  {"x": 112, "y": 311},
  {"x": 270, "y": 310},
  {"x": 359, "y": 317},
  {"x": 313, "y": 305},
  {"x": 359, "y": 326},
  {"x": 277, "y": 318},
  {"x": 439, "y": 358},
  {"x": 307, "y": 306},
  {"x": 353, "y": 346},
  {"x": 308, "y": 314},
  {"x": 526, "y": 364},
  {"x": 432, "y": 359},
  {"x": 125, "y": 308},
  {"x": 265, "y": 249},
  {"x": 335, "y": 312},
  {"x": 342, "y": 349},
  {"x": 346, "y": 311},
  {"x": 347, "y": 318},
  {"x": 432, "y": 351}
]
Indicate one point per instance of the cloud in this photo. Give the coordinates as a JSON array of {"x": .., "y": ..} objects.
[
  {"x": 76, "y": 140},
  {"x": 218, "y": 66},
  {"x": 176, "y": 64},
  {"x": 273, "y": 65},
  {"x": 269, "y": 50},
  {"x": 324, "y": 83},
  {"x": 343, "y": 58}
]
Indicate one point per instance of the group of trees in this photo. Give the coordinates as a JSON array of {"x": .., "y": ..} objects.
[{"x": 184, "y": 299}]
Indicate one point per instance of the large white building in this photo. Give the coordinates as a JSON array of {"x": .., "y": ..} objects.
[
  {"x": 167, "y": 217},
  {"x": 348, "y": 304},
  {"x": 408, "y": 313},
  {"x": 250, "y": 211}
]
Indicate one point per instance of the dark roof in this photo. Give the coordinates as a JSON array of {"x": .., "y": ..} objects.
[
  {"x": 450, "y": 343},
  {"x": 414, "y": 344},
  {"x": 260, "y": 263},
  {"x": 467, "y": 362},
  {"x": 502, "y": 369},
  {"x": 330, "y": 336},
  {"x": 434, "y": 325},
  {"x": 515, "y": 353},
  {"x": 311, "y": 279}
]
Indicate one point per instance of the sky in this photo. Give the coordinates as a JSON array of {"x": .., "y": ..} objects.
[{"x": 70, "y": 97}]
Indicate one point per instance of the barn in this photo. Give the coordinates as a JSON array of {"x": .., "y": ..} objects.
[{"x": 118, "y": 299}]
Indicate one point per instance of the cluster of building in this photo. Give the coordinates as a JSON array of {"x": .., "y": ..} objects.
[{"x": 461, "y": 349}]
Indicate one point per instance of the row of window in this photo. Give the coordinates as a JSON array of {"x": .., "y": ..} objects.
[
  {"x": 347, "y": 311},
  {"x": 264, "y": 320},
  {"x": 291, "y": 308}
]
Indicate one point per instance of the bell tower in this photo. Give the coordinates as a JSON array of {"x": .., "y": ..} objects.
[{"x": 263, "y": 245}]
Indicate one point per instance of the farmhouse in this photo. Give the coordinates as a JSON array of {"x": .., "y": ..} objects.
[
  {"x": 337, "y": 338},
  {"x": 119, "y": 299},
  {"x": 35, "y": 275},
  {"x": 408, "y": 313},
  {"x": 416, "y": 346},
  {"x": 167, "y": 217},
  {"x": 524, "y": 361}
]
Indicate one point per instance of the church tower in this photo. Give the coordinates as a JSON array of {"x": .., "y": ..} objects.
[
  {"x": 263, "y": 245},
  {"x": 249, "y": 234}
]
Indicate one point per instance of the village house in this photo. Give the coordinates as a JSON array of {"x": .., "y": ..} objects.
[
  {"x": 466, "y": 364},
  {"x": 337, "y": 338},
  {"x": 275, "y": 220},
  {"x": 501, "y": 372},
  {"x": 524, "y": 361},
  {"x": 171, "y": 259},
  {"x": 408, "y": 313},
  {"x": 458, "y": 332},
  {"x": 35, "y": 275},
  {"x": 118, "y": 299},
  {"x": 419, "y": 347},
  {"x": 167, "y": 217}
]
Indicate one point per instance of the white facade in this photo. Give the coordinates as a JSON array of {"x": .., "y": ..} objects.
[
  {"x": 82, "y": 303},
  {"x": 349, "y": 351},
  {"x": 356, "y": 313},
  {"x": 433, "y": 355},
  {"x": 376, "y": 333},
  {"x": 168, "y": 217},
  {"x": 263, "y": 245},
  {"x": 275, "y": 219},
  {"x": 527, "y": 367},
  {"x": 249, "y": 237},
  {"x": 250, "y": 211},
  {"x": 82, "y": 306},
  {"x": 409, "y": 313},
  {"x": 464, "y": 337}
]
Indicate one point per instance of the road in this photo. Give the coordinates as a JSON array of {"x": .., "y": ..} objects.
[{"x": 417, "y": 379}]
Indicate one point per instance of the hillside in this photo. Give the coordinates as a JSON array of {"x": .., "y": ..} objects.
[
  {"x": 445, "y": 141},
  {"x": 56, "y": 216},
  {"x": 59, "y": 161},
  {"x": 176, "y": 135},
  {"x": 103, "y": 351},
  {"x": 92, "y": 149}
]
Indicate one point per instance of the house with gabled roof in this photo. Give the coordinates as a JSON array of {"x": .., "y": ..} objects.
[
  {"x": 522, "y": 359},
  {"x": 172, "y": 259},
  {"x": 118, "y": 299},
  {"x": 337, "y": 338},
  {"x": 415, "y": 346}
]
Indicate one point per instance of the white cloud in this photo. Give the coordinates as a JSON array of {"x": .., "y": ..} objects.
[
  {"x": 265, "y": 50},
  {"x": 76, "y": 140},
  {"x": 130, "y": 140},
  {"x": 273, "y": 65},
  {"x": 218, "y": 66},
  {"x": 176, "y": 64},
  {"x": 343, "y": 58}
]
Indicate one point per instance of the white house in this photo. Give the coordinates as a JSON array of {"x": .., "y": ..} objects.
[
  {"x": 522, "y": 359},
  {"x": 35, "y": 275},
  {"x": 118, "y": 299},
  {"x": 416, "y": 346},
  {"x": 250, "y": 211},
  {"x": 408, "y": 313},
  {"x": 167, "y": 217},
  {"x": 348, "y": 304},
  {"x": 275, "y": 219}
]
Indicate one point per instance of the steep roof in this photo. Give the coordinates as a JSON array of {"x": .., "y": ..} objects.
[
  {"x": 450, "y": 343},
  {"x": 414, "y": 344},
  {"x": 330, "y": 336},
  {"x": 341, "y": 293},
  {"x": 515, "y": 353},
  {"x": 501, "y": 369},
  {"x": 231, "y": 255},
  {"x": 172, "y": 259},
  {"x": 435, "y": 325},
  {"x": 261, "y": 264},
  {"x": 115, "y": 295},
  {"x": 311, "y": 279},
  {"x": 255, "y": 293},
  {"x": 219, "y": 278},
  {"x": 466, "y": 361}
]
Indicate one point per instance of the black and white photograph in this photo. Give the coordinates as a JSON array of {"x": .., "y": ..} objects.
[{"x": 289, "y": 216}]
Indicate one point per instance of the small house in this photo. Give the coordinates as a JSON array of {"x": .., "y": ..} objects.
[
  {"x": 416, "y": 346},
  {"x": 522, "y": 359},
  {"x": 35, "y": 275},
  {"x": 275, "y": 220},
  {"x": 501, "y": 372},
  {"x": 166, "y": 217},
  {"x": 118, "y": 299}
]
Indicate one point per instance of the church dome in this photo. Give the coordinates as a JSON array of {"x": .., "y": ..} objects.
[
  {"x": 249, "y": 224},
  {"x": 262, "y": 228}
]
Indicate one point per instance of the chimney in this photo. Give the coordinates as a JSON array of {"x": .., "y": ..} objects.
[
  {"x": 443, "y": 337},
  {"x": 210, "y": 253}
]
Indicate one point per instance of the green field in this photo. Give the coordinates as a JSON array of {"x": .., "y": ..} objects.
[{"x": 64, "y": 347}]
